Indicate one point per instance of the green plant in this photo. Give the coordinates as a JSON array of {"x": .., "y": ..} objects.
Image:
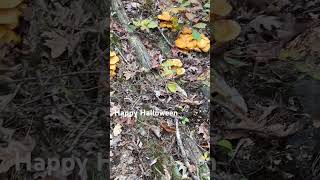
[
  {"x": 226, "y": 147},
  {"x": 185, "y": 120},
  {"x": 145, "y": 24}
]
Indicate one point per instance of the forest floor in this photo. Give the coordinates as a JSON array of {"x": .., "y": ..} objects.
[
  {"x": 144, "y": 147},
  {"x": 264, "y": 89}
]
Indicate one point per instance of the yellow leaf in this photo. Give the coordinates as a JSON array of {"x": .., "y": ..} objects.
[{"x": 172, "y": 87}]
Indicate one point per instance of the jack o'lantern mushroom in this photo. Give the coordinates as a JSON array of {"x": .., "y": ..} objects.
[
  {"x": 225, "y": 30},
  {"x": 186, "y": 41},
  {"x": 172, "y": 68},
  {"x": 114, "y": 59},
  {"x": 165, "y": 16}
]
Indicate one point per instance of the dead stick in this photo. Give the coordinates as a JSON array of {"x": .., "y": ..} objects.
[{"x": 183, "y": 151}]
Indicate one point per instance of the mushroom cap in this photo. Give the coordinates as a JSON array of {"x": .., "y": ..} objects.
[
  {"x": 174, "y": 62},
  {"x": 191, "y": 45},
  {"x": 186, "y": 37},
  {"x": 9, "y": 16},
  {"x": 186, "y": 30},
  {"x": 113, "y": 67},
  {"x": 180, "y": 71},
  {"x": 165, "y": 24},
  {"x": 205, "y": 38},
  {"x": 197, "y": 49},
  {"x": 180, "y": 43},
  {"x": 6, "y": 4},
  {"x": 206, "y": 49},
  {"x": 165, "y": 16},
  {"x": 112, "y": 73},
  {"x": 202, "y": 43},
  {"x": 221, "y": 7},
  {"x": 114, "y": 60},
  {"x": 225, "y": 30},
  {"x": 112, "y": 53}
]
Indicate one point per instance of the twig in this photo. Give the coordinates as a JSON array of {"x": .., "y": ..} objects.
[
  {"x": 7, "y": 100},
  {"x": 76, "y": 140},
  {"x": 119, "y": 52},
  {"x": 183, "y": 152},
  {"x": 165, "y": 38}
]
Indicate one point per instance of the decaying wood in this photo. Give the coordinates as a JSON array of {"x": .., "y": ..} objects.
[
  {"x": 191, "y": 154},
  {"x": 140, "y": 50}
]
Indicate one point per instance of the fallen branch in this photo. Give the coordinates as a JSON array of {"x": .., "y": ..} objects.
[
  {"x": 183, "y": 151},
  {"x": 134, "y": 40}
]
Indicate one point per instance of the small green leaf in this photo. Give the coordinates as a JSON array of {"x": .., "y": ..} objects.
[
  {"x": 172, "y": 87},
  {"x": 136, "y": 23},
  {"x": 200, "y": 25},
  {"x": 196, "y": 35},
  {"x": 226, "y": 146},
  {"x": 152, "y": 24},
  {"x": 185, "y": 120},
  {"x": 131, "y": 28},
  {"x": 186, "y": 3}
]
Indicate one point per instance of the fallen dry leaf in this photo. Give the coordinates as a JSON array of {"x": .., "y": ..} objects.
[
  {"x": 165, "y": 126},
  {"x": 117, "y": 130},
  {"x": 56, "y": 43},
  {"x": 204, "y": 130}
]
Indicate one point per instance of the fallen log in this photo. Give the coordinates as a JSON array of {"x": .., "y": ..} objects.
[{"x": 140, "y": 50}]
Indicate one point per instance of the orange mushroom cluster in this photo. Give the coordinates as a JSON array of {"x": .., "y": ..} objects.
[
  {"x": 10, "y": 13},
  {"x": 223, "y": 30},
  {"x": 186, "y": 41},
  {"x": 172, "y": 68},
  {"x": 166, "y": 20},
  {"x": 114, "y": 60}
]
